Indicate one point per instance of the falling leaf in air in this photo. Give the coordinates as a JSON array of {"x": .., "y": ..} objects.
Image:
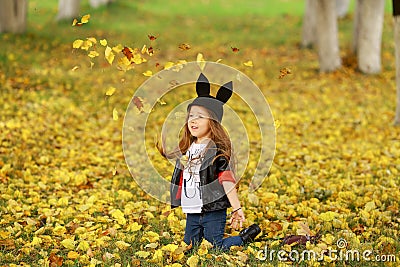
[
  {"x": 110, "y": 91},
  {"x": 248, "y": 63},
  {"x": 77, "y": 43},
  {"x": 127, "y": 52},
  {"x": 184, "y": 46},
  {"x": 277, "y": 124},
  {"x": 103, "y": 42},
  {"x": 152, "y": 37},
  {"x": 235, "y": 49},
  {"x": 85, "y": 18},
  {"x": 150, "y": 51},
  {"x": 114, "y": 172},
  {"x": 138, "y": 102},
  {"x": 148, "y": 73},
  {"x": 162, "y": 102},
  {"x": 115, "y": 114},
  {"x": 109, "y": 55},
  {"x": 75, "y": 22},
  {"x": 93, "y": 54},
  {"x": 200, "y": 61},
  {"x": 283, "y": 72}
]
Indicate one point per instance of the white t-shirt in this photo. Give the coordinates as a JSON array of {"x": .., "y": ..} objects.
[{"x": 191, "y": 200}]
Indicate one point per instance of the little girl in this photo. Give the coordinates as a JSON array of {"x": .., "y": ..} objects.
[{"x": 203, "y": 181}]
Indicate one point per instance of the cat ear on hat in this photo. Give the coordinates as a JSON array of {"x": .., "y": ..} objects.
[
  {"x": 225, "y": 92},
  {"x": 202, "y": 86}
]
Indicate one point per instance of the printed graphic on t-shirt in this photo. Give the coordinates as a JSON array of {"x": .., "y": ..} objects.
[{"x": 191, "y": 198}]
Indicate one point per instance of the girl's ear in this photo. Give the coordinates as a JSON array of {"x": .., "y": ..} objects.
[
  {"x": 202, "y": 86},
  {"x": 225, "y": 92}
]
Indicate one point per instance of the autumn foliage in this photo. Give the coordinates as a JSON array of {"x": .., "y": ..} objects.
[{"x": 68, "y": 199}]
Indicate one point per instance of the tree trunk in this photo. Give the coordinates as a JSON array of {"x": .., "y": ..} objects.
[
  {"x": 309, "y": 25},
  {"x": 356, "y": 26},
  {"x": 342, "y": 7},
  {"x": 97, "y": 3},
  {"x": 397, "y": 55},
  {"x": 13, "y": 15},
  {"x": 68, "y": 9},
  {"x": 327, "y": 36},
  {"x": 369, "y": 35}
]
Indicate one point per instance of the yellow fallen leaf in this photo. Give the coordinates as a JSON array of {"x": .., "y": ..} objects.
[
  {"x": 73, "y": 255},
  {"x": 151, "y": 245},
  {"x": 242, "y": 256},
  {"x": 68, "y": 243},
  {"x": 327, "y": 216},
  {"x": 59, "y": 230},
  {"x": 119, "y": 216},
  {"x": 83, "y": 245},
  {"x": 74, "y": 22},
  {"x": 142, "y": 254},
  {"x": 157, "y": 256},
  {"x": 36, "y": 241},
  {"x": 134, "y": 227},
  {"x": 149, "y": 215},
  {"x": 170, "y": 247},
  {"x": 369, "y": 206},
  {"x": 4, "y": 234},
  {"x": 150, "y": 236},
  {"x": 193, "y": 261},
  {"x": 122, "y": 245}
]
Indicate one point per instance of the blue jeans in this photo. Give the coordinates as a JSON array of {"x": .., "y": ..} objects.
[{"x": 211, "y": 226}]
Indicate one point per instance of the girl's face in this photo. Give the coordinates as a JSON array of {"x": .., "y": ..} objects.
[{"x": 199, "y": 123}]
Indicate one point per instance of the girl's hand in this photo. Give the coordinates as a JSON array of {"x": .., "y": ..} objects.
[{"x": 237, "y": 219}]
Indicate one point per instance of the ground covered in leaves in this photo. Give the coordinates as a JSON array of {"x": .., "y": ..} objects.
[{"x": 68, "y": 199}]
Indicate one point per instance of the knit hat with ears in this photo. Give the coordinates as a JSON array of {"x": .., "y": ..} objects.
[{"x": 204, "y": 98}]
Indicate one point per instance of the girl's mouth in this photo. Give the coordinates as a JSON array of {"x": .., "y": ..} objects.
[{"x": 194, "y": 127}]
